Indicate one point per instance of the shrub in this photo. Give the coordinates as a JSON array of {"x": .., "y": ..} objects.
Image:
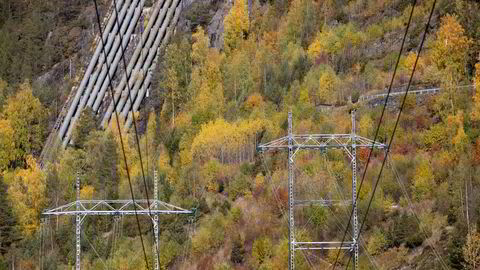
[
  {"x": 238, "y": 250},
  {"x": 240, "y": 186},
  {"x": 377, "y": 242},
  {"x": 261, "y": 250},
  {"x": 237, "y": 214}
]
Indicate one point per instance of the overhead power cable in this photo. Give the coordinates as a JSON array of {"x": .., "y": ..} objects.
[
  {"x": 411, "y": 207},
  {"x": 444, "y": 265},
  {"x": 133, "y": 118},
  {"x": 120, "y": 133},
  {"x": 340, "y": 225},
  {"x": 377, "y": 129},
  {"x": 95, "y": 251}
]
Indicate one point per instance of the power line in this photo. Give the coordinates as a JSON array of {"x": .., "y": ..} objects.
[
  {"x": 337, "y": 219},
  {"x": 94, "y": 250},
  {"x": 120, "y": 132},
  {"x": 378, "y": 129},
  {"x": 279, "y": 205},
  {"x": 410, "y": 204},
  {"x": 396, "y": 125},
  {"x": 133, "y": 115}
]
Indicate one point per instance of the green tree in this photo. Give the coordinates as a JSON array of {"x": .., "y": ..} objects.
[
  {"x": 176, "y": 76},
  {"x": 61, "y": 181},
  {"x": 168, "y": 251},
  {"x": 238, "y": 250},
  {"x": 7, "y": 221},
  {"x": 172, "y": 87},
  {"x": 377, "y": 242},
  {"x": 101, "y": 164},
  {"x": 27, "y": 118},
  {"x": 238, "y": 79},
  {"x": 261, "y": 250},
  {"x": 3, "y": 86},
  {"x": 301, "y": 21},
  {"x": 86, "y": 123}
]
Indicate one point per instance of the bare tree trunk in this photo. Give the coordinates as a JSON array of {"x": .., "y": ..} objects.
[
  {"x": 461, "y": 202},
  {"x": 264, "y": 81},
  {"x": 173, "y": 111},
  {"x": 466, "y": 206}
]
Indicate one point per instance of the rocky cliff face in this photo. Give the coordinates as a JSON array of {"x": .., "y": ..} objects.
[
  {"x": 209, "y": 14},
  {"x": 215, "y": 28}
]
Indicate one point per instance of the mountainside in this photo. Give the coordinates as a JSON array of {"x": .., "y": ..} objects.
[{"x": 224, "y": 85}]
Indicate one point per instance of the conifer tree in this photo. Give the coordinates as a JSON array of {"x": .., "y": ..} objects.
[{"x": 7, "y": 221}]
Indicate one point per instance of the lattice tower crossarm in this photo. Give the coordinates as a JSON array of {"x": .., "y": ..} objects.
[
  {"x": 115, "y": 208},
  {"x": 83, "y": 208},
  {"x": 296, "y": 142}
]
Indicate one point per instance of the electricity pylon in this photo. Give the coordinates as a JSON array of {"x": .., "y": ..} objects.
[
  {"x": 82, "y": 208},
  {"x": 296, "y": 142}
]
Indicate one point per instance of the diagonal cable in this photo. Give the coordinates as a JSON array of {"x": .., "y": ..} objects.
[
  {"x": 410, "y": 204},
  {"x": 120, "y": 132},
  {"x": 133, "y": 118},
  {"x": 396, "y": 125},
  {"x": 344, "y": 211},
  {"x": 378, "y": 128}
]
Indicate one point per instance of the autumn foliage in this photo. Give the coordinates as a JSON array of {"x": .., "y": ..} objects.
[{"x": 209, "y": 109}]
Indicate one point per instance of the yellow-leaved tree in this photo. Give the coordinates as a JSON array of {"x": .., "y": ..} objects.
[
  {"x": 27, "y": 193},
  {"x": 228, "y": 142},
  {"x": 27, "y": 116},
  {"x": 365, "y": 125},
  {"x": 199, "y": 46},
  {"x": 236, "y": 25},
  {"x": 423, "y": 180},
  {"x": 131, "y": 155},
  {"x": 450, "y": 52},
  {"x": 460, "y": 140},
  {"x": 476, "y": 97},
  {"x": 471, "y": 251},
  {"x": 7, "y": 144},
  {"x": 327, "y": 84},
  {"x": 450, "y": 47},
  {"x": 209, "y": 100},
  {"x": 200, "y": 52}
]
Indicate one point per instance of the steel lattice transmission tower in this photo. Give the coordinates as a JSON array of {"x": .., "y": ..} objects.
[
  {"x": 296, "y": 142},
  {"x": 82, "y": 208}
]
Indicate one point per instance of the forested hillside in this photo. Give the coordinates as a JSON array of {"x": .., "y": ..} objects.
[{"x": 209, "y": 108}]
